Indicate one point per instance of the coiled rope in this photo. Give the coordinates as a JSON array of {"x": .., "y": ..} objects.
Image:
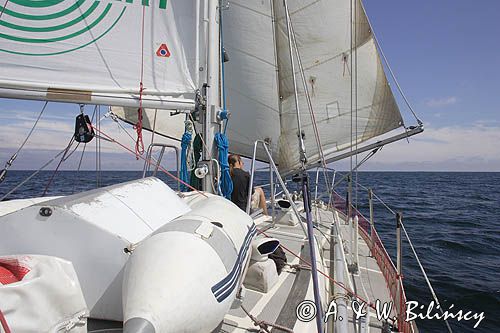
[
  {"x": 225, "y": 182},
  {"x": 139, "y": 144},
  {"x": 187, "y": 154}
]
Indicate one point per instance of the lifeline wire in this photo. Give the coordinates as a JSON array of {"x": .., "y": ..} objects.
[
  {"x": 426, "y": 278},
  {"x": 415, "y": 254}
]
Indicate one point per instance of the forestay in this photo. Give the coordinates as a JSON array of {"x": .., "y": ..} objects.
[
  {"x": 323, "y": 34},
  {"x": 94, "y": 51}
]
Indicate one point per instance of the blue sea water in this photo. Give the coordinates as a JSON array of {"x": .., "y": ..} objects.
[{"x": 452, "y": 219}]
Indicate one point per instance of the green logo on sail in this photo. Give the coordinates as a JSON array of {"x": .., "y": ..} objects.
[{"x": 51, "y": 27}]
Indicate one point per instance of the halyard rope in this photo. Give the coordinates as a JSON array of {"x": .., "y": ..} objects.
[{"x": 139, "y": 144}]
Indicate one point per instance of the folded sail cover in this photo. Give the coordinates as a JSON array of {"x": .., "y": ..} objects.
[{"x": 77, "y": 50}]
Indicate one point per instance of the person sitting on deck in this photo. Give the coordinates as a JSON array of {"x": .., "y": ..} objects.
[{"x": 241, "y": 182}]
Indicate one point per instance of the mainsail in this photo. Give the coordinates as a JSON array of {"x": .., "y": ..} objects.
[
  {"x": 97, "y": 52},
  {"x": 251, "y": 77},
  {"x": 346, "y": 114}
]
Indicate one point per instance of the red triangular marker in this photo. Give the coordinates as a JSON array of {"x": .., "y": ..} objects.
[{"x": 163, "y": 51}]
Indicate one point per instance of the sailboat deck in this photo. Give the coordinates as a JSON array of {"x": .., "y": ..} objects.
[
  {"x": 278, "y": 306},
  {"x": 369, "y": 283}
]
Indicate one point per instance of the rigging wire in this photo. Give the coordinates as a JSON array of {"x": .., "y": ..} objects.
[
  {"x": 424, "y": 273},
  {"x": 63, "y": 159},
  {"x": 98, "y": 148},
  {"x": 351, "y": 60},
  {"x": 309, "y": 105},
  {"x": 32, "y": 175},
  {"x": 307, "y": 263},
  {"x": 150, "y": 161},
  {"x": 8, "y": 164},
  {"x": 115, "y": 118},
  {"x": 356, "y": 97},
  {"x": 379, "y": 46},
  {"x": 426, "y": 278},
  {"x": 154, "y": 128},
  {"x": 224, "y": 181},
  {"x": 224, "y": 113}
]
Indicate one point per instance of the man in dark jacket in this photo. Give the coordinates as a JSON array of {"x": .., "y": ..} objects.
[{"x": 241, "y": 183}]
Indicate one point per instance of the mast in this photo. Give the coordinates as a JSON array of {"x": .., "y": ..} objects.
[{"x": 210, "y": 123}]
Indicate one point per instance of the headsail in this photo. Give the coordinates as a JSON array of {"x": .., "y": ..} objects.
[
  {"x": 95, "y": 51},
  {"x": 322, "y": 30}
]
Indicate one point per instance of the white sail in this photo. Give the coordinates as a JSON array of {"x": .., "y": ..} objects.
[
  {"x": 323, "y": 34},
  {"x": 251, "y": 82},
  {"x": 94, "y": 52},
  {"x": 261, "y": 98},
  {"x": 251, "y": 79}
]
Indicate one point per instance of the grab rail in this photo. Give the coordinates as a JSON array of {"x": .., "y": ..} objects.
[{"x": 148, "y": 159}]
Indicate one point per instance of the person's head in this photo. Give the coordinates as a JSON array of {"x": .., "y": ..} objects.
[{"x": 235, "y": 161}]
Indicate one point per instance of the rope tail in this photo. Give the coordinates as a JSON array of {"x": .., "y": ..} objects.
[{"x": 226, "y": 184}]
